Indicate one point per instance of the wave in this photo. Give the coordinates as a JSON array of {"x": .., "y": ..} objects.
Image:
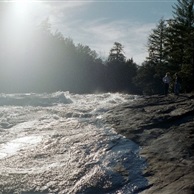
[
  {"x": 52, "y": 99},
  {"x": 34, "y": 99}
]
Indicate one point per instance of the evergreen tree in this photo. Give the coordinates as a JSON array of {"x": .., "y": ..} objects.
[
  {"x": 115, "y": 63},
  {"x": 117, "y": 53},
  {"x": 120, "y": 72},
  {"x": 183, "y": 36},
  {"x": 171, "y": 48},
  {"x": 130, "y": 72},
  {"x": 149, "y": 76},
  {"x": 144, "y": 80},
  {"x": 156, "y": 44}
]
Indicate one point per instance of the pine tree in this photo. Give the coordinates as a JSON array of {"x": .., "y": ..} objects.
[
  {"x": 157, "y": 61},
  {"x": 116, "y": 53},
  {"x": 156, "y": 44},
  {"x": 182, "y": 29}
]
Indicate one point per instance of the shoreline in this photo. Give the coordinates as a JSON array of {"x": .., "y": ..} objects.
[{"x": 164, "y": 128}]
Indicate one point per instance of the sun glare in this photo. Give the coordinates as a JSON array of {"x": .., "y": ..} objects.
[
  {"x": 22, "y": 11},
  {"x": 18, "y": 23},
  {"x": 21, "y": 8}
]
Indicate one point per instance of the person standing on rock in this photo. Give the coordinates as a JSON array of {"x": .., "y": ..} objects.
[{"x": 166, "y": 79}]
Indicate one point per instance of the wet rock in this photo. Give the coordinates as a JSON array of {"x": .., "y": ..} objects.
[
  {"x": 164, "y": 127},
  {"x": 74, "y": 149}
]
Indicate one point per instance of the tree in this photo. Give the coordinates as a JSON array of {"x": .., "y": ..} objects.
[
  {"x": 149, "y": 76},
  {"x": 129, "y": 73},
  {"x": 156, "y": 44},
  {"x": 116, "y": 60},
  {"x": 170, "y": 48},
  {"x": 120, "y": 71},
  {"x": 146, "y": 80},
  {"x": 183, "y": 28},
  {"x": 116, "y": 53}
]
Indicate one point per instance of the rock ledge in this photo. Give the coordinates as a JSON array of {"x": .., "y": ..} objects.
[{"x": 164, "y": 128}]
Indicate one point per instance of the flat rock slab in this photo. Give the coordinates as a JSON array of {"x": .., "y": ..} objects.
[{"x": 164, "y": 128}]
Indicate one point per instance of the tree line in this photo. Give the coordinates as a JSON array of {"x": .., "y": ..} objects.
[
  {"x": 46, "y": 61},
  {"x": 171, "y": 49}
]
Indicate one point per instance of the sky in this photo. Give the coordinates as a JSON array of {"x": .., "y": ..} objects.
[{"x": 97, "y": 23}]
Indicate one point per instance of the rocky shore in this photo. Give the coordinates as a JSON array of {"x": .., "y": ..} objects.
[
  {"x": 164, "y": 128},
  {"x": 72, "y": 148}
]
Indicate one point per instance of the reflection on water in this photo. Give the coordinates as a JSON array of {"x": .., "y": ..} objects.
[
  {"x": 12, "y": 147},
  {"x": 63, "y": 136}
]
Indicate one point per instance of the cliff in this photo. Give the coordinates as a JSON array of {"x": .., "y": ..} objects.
[{"x": 164, "y": 128}]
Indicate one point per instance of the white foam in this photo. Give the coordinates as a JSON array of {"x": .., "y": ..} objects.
[{"x": 12, "y": 147}]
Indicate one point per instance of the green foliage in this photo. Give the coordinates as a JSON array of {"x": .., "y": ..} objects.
[
  {"x": 48, "y": 62},
  {"x": 116, "y": 53},
  {"x": 171, "y": 49},
  {"x": 187, "y": 79},
  {"x": 120, "y": 72},
  {"x": 147, "y": 80},
  {"x": 40, "y": 60},
  {"x": 156, "y": 44}
]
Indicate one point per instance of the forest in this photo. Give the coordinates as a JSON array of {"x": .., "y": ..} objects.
[{"x": 50, "y": 62}]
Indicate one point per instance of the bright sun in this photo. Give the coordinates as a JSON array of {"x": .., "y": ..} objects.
[
  {"x": 21, "y": 7},
  {"x": 19, "y": 19}
]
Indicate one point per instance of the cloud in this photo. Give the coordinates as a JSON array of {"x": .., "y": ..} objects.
[
  {"x": 132, "y": 35},
  {"x": 57, "y": 11},
  {"x": 71, "y": 19},
  {"x": 101, "y": 34}
]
